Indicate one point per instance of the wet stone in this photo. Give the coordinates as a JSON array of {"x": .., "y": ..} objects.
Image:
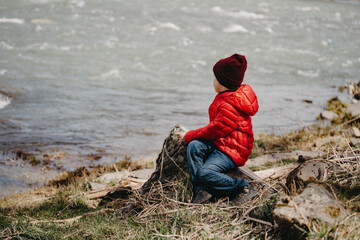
[
  {"x": 96, "y": 186},
  {"x": 143, "y": 173},
  {"x": 355, "y": 132},
  {"x": 328, "y": 115},
  {"x": 308, "y": 171},
  {"x": 114, "y": 177},
  {"x": 315, "y": 203},
  {"x": 354, "y": 109}
]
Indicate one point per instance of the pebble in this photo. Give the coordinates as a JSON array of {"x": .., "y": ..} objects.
[
  {"x": 354, "y": 109},
  {"x": 329, "y": 115},
  {"x": 355, "y": 132}
]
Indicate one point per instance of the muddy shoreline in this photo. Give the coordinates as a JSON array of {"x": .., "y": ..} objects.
[{"x": 34, "y": 165}]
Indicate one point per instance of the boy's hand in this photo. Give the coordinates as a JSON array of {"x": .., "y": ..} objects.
[{"x": 181, "y": 136}]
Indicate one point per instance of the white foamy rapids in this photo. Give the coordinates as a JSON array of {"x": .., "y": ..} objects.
[
  {"x": 269, "y": 30},
  {"x": 41, "y": 21},
  {"x": 2, "y": 71},
  {"x": 111, "y": 42},
  {"x": 6, "y": 46},
  {"x": 298, "y": 51},
  {"x": 235, "y": 28},
  {"x": 240, "y": 14},
  {"x": 186, "y": 42},
  {"x": 198, "y": 63},
  {"x": 11, "y": 20},
  {"x": 169, "y": 25},
  {"x": 338, "y": 16},
  {"x": 78, "y": 3},
  {"x": 47, "y": 46},
  {"x": 308, "y": 9},
  {"x": 347, "y": 63},
  {"x": 4, "y": 101},
  {"x": 311, "y": 74},
  {"x": 111, "y": 74},
  {"x": 204, "y": 29},
  {"x": 40, "y": 1}
]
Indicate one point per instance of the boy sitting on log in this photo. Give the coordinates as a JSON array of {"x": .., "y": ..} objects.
[{"x": 227, "y": 141}]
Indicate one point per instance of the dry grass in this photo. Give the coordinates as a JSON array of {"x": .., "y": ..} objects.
[
  {"x": 347, "y": 229},
  {"x": 165, "y": 212},
  {"x": 218, "y": 220},
  {"x": 345, "y": 169},
  {"x": 69, "y": 177}
]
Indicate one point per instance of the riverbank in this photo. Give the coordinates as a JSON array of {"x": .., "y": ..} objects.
[
  {"x": 65, "y": 210},
  {"x": 86, "y": 86}
]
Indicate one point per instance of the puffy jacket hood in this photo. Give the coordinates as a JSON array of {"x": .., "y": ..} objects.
[{"x": 243, "y": 99}]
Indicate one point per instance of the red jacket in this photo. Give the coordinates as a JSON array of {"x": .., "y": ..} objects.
[{"x": 230, "y": 125}]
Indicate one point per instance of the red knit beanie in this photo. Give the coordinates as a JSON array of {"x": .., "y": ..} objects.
[{"x": 230, "y": 71}]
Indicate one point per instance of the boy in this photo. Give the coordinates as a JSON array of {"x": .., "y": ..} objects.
[{"x": 227, "y": 141}]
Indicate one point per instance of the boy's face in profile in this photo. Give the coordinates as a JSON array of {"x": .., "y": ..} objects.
[{"x": 218, "y": 87}]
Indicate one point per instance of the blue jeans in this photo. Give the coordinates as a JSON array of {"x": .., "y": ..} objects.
[{"x": 207, "y": 166}]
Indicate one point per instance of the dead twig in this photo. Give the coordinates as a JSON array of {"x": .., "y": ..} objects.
[
  {"x": 259, "y": 221},
  {"x": 344, "y": 123},
  {"x": 244, "y": 235},
  {"x": 74, "y": 219}
]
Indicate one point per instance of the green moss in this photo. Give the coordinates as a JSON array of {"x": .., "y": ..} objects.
[
  {"x": 338, "y": 107},
  {"x": 268, "y": 165},
  {"x": 335, "y": 105},
  {"x": 288, "y": 160}
]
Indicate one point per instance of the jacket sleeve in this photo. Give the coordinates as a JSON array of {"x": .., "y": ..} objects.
[{"x": 223, "y": 124}]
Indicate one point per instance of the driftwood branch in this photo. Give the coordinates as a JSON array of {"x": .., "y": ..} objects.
[
  {"x": 277, "y": 172},
  {"x": 101, "y": 193}
]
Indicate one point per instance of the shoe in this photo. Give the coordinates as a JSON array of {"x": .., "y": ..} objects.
[
  {"x": 247, "y": 194},
  {"x": 201, "y": 196}
]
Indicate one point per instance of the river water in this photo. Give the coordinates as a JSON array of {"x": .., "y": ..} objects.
[{"x": 112, "y": 77}]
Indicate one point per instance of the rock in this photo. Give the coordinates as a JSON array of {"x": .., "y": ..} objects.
[
  {"x": 354, "y": 92},
  {"x": 308, "y": 171},
  {"x": 277, "y": 156},
  {"x": 302, "y": 159},
  {"x": 328, "y": 115},
  {"x": 339, "y": 140},
  {"x": 355, "y": 132},
  {"x": 122, "y": 179},
  {"x": 314, "y": 203},
  {"x": 114, "y": 177},
  {"x": 96, "y": 186},
  {"x": 354, "y": 109},
  {"x": 143, "y": 173},
  {"x": 354, "y": 141}
]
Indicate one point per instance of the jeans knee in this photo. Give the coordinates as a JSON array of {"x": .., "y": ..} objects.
[
  {"x": 203, "y": 174},
  {"x": 194, "y": 146}
]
